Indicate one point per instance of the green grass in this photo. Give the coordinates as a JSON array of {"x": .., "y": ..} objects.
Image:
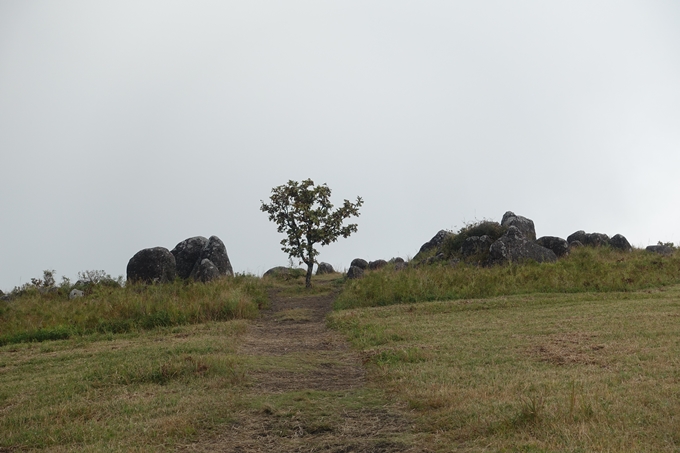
[
  {"x": 585, "y": 270},
  {"x": 580, "y": 372},
  {"x": 40, "y": 317},
  {"x": 140, "y": 391}
]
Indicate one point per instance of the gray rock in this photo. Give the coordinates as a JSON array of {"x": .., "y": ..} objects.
[
  {"x": 475, "y": 245},
  {"x": 216, "y": 252},
  {"x": 620, "y": 242},
  {"x": 324, "y": 268},
  {"x": 589, "y": 239},
  {"x": 579, "y": 235},
  {"x": 435, "y": 259},
  {"x": 360, "y": 263},
  {"x": 596, "y": 239},
  {"x": 514, "y": 247},
  {"x": 400, "y": 265},
  {"x": 75, "y": 293},
  {"x": 152, "y": 265},
  {"x": 436, "y": 241},
  {"x": 524, "y": 225},
  {"x": 278, "y": 271},
  {"x": 377, "y": 264},
  {"x": 207, "y": 271},
  {"x": 559, "y": 246},
  {"x": 187, "y": 254},
  {"x": 660, "y": 249},
  {"x": 575, "y": 244},
  {"x": 355, "y": 272},
  {"x": 398, "y": 259}
]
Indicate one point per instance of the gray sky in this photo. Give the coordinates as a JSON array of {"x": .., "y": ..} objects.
[{"x": 131, "y": 124}]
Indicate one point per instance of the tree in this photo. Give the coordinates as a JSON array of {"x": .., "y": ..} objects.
[{"x": 304, "y": 212}]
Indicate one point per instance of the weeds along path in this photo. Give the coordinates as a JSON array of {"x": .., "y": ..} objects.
[{"x": 306, "y": 389}]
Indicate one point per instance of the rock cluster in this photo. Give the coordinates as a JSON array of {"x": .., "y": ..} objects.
[
  {"x": 198, "y": 258},
  {"x": 518, "y": 243},
  {"x": 513, "y": 246},
  {"x": 359, "y": 266}
]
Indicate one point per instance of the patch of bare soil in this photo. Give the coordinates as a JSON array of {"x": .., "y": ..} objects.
[
  {"x": 318, "y": 359},
  {"x": 571, "y": 348}
]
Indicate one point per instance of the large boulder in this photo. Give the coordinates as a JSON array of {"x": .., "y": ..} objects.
[
  {"x": 206, "y": 271},
  {"x": 324, "y": 268},
  {"x": 216, "y": 252},
  {"x": 589, "y": 239},
  {"x": 580, "y": 236},
  {"x": 660, "y": 249},
  {"x": 187, "y": 254},
  {"x": 514, "y": 247},
  {"x": 355, "y": 272},
  {"x": 475, "y": 245},
  {"x": 278, "y": 271},
  {"x": 377, "y": 264},
  {"x": 524, "y": 225},
  {"x": 559, "y": 246},
  {"x": 618, "y": 241},
  {"x": 152, "y": 265},
  {"x": 436, "y": 241},
  {"x": 596, "y": 239},
  {"x": 359, "y": 262}
]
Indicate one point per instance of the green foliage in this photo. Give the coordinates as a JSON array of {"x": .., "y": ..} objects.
[
  {"x": 303, "y": 212},
  {"x": 452, "y": 244},
  {"x": 601, "y": 269},
  {"x": 36, "y": 316}
]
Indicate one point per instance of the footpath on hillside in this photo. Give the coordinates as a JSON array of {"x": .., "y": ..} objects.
[{"x": 312, "y": 386}]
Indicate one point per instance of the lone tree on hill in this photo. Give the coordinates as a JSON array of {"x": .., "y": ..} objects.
[{"x": 304, "y": 212}]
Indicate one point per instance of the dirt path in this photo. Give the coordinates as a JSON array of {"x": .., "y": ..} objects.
[{"x": 312, "y": 386}]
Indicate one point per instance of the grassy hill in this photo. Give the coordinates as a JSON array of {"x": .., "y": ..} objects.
[{"x": 580, "y": 355}]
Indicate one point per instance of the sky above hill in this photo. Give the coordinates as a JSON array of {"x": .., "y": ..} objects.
[{"x": 134, "y": 124}]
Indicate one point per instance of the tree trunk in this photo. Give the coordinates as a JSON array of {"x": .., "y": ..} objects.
[{"x": 308, "y": 279}]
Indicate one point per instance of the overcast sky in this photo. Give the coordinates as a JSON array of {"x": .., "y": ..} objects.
[{"x": 134, "y": 124}]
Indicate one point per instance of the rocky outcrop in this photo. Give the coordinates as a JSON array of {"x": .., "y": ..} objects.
[
  {"x": 355, "y": 272},
  {"x": 475, "y": 245},
  {"x": 190, "y": 253},
  {"x": 400, "y": 265},
  {"x": 436, "y": 241},
  {"x": 206, "y": 271},
  {"x": 618, "y": 241},
  {"x": 187, "y": 254},
  {"x": 152, "y": 265},
  {"x": 514, "y": 247},
  {"x": 377, "y": 264},
  {"x": 589, "y": 239},
  {"x": 360, "y": 263},
  {"x": 660, "y": 249},
  {"x": 278, "y": 271},
  {"x": 524, "y": 225},
  {"x": 216, "y": 252},
  {"x": 559, "y": 246},
  {"x": 324, "y": 268}
]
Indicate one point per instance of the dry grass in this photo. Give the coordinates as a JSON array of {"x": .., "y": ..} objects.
[
  {"x": 132, "y": 392},
  {"x": 575, "y": 373}
]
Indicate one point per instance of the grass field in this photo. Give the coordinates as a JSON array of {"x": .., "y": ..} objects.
[
  {"x": 538, "y": 373},
  {"x": 579, "y": 368}
]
